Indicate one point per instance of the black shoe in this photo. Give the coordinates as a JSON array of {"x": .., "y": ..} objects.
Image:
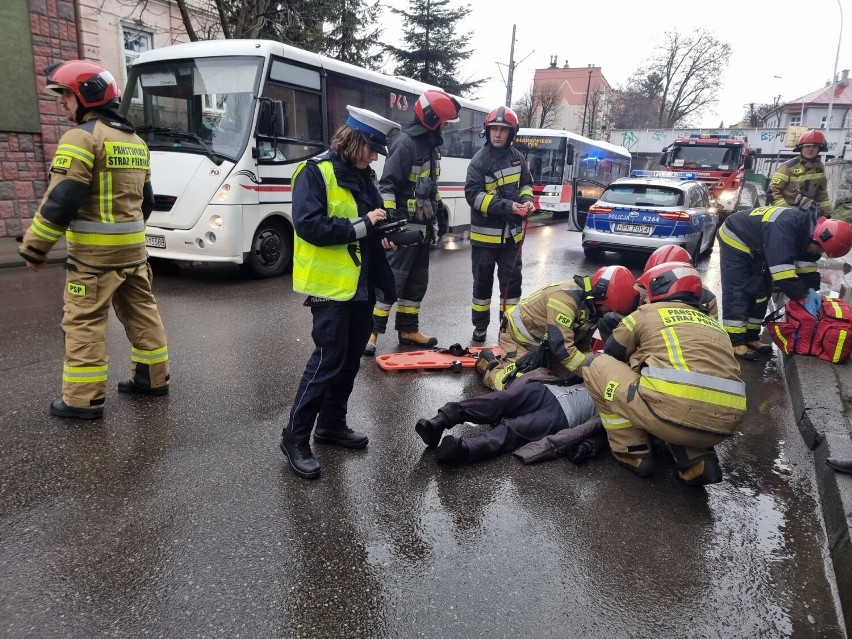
[
  {"x": 129, "y": 386},
  {"x": 345, "y": 437},
  {"x": 479, "y": 335},
  {"x": 60, "y": 409},
  {"x": 639, "y": 465},
  {"x": 301, "y": 459},
  {"x": 452, "y": 450},
  {"x": 840, "y": 464},
  {"x": 430, "y": 430}
]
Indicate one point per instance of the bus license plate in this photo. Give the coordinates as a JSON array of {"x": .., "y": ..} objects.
[
  {"x": 636, "y": 229},
  {"x": 155, "y": 241}
]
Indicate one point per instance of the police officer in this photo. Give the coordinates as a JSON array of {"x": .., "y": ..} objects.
[
  {"x": 409, "y": 189},
  {"x": 766, "y": 246},
  {"x": 801, "y": 181},
  {"x": 99, "y": 196},
  {"x": 668, "y": 370},
  {"x": 499, "y": 190},
  {"x": 560, "y": 319},
  {"x": 338, "y": 262}
]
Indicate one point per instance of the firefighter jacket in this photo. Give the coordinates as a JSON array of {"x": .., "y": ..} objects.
[
  {"x": 559, "y": 315},
  {"x": 495, "y": 179},
  {"x": 99, "y": 196},
  {"x": 411, "y": 171},
  {"x": 799, "y": 176},
  {"x": 336, "y": 255},
  {"x": 688, "y": 372},
  {"x": 778, "y": 236}
]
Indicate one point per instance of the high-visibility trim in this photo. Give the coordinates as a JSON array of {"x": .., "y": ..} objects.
[
  {"x": 576, "y": 362},
  {"x": 838, "y": 350},
  {"x": 771, "y": 213},
  {"x": 482, "y": 201},
  {"x": 526, "y": 191},
  {"x": 389, "y": 204},
  {"x": 45, "y": 232},
  {"x": 782, "y": 272},
  {"x": 732, "y": 240},
  {"x": 126, "y": 155},
  {"x": 560, "y": 307},
  {"x": 838, "y": 312},
  {"x": 805, "y": 267},
  {"x": 485, "y": 238},
  {"x": 111, "y": 228},
  {"x": 105, "y": 239},
  {"x": 672, "y": 343},
  {"x": 629, "y": 322},
  {"x": 381, "y": 312},
  {"x": 154, "y": 356},
  {"x": 86, "y": 157},
  {"x": 518, "y": 329},
  {"x": 84, "y": 374},
  {"x": 780, "y": 338},
  {"x": 481, "y": 308},
  {"x": 736, "y": 330},
  {"x": 611, "y": 421},
  {"x": 705, "y": 392},
  {"x": 409, "y": 310}
]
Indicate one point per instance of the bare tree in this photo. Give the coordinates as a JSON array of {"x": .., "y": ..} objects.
[
  {"x": 636, "y": 105},
  {"x": 539, "y": 106},
  {"x": 755, "y": 113}
]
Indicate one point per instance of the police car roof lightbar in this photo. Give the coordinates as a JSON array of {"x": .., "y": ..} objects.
[{"x": 663, "y": 174}]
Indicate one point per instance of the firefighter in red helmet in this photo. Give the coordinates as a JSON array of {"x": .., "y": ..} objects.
[
  {"x": 553, "y": 327},
  {"x": 409, "y": 189},
  {"x": 99, "y": 197},
  {"x": 499, "y": 190},
  {"x": 674, "y": 253},
  {"x": 668, "y": 370},
  {"x": 801, "y": 181}
]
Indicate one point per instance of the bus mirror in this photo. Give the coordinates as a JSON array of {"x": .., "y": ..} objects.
[
  {"x": 749, "y": 162},
  {"x": 663, "y": 157},
  {"x": 271, "y": 123},
  {"x": 569, "y": 155}
]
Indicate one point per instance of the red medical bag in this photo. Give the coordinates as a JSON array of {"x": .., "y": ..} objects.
[{"x": 828, "y": 337}]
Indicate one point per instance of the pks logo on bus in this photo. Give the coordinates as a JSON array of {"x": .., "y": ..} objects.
[{"x": 398, "y": 102}]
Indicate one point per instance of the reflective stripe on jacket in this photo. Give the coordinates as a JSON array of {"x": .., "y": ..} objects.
[{"x": 799, "y": 176}]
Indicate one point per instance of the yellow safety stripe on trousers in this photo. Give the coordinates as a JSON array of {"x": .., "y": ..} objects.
[
  {"x": 838, "y": 350},
  {"x": 86, "y": 157},
  {"x": 780, "y": 338},
  {"x": 409, "y": 310},
  {"x": 694, "y": 393},
  {"x": 482, "y": 201},
  {"x": 149, "y": 357},
  {"x": 676, "y": 358},
  {"x": 732, "y": 240},
  {"x": 611, "y": 421},
  {"x": 105, "y": 198},
  {"x": 84, "y": 374},
  {"x": 382, "y": 309},
  {"x": 46, "y": 232},
  {"x": 483, "y": 306},
  {"x": 103, "y": 239},
  {"x": 736, "y": 330}
]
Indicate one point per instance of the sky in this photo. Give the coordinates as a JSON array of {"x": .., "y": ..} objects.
[{"x": 767, "y": 58}]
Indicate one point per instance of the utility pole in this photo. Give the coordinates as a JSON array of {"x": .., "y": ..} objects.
[
  {"x": 511, "y": 69},
  {"x": 586, "y": 108}
]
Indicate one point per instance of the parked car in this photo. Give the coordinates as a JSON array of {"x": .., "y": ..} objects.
[{"x": 650, "y": 209}]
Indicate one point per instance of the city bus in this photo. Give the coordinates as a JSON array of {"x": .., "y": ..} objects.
[
  {"x": 570, "y": 171},
  {"x": 228, "y": 121}
]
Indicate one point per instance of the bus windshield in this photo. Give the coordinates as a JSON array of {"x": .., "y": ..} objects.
[
  {"x": 545, "y": 157},
  {"x": 203, "y": 105},
  {"x": 719, "y": 158}
]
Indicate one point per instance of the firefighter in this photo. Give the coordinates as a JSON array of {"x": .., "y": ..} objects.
[
  {"x": 769, "y": 246},
  {"x": 801, "y": 181},
  {"x": 674, "y": 253},
  {"x": 338, "y": 262},
  {"x": 99, "y": 197},
  {"x": 669, "y": 371},
  {"x": 409, "y": 188},
  {"x": 499, "y": 190},
  {"x": 556, "y": 324}
]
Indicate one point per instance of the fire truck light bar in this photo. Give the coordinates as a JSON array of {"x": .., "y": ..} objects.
[{"x": 663, "y": 174}]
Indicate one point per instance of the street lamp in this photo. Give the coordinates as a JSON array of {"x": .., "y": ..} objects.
[
  {"x": 586, "y": 108},
  {"x": 834, "y": 75}
]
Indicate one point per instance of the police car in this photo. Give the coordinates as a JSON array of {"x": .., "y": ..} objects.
[{"x": 650, "y": 209}]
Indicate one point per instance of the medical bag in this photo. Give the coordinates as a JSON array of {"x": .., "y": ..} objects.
[{"x": 829, "y": 336}]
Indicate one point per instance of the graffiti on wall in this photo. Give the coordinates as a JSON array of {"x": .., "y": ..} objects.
[{"x": 629, "y": 139}]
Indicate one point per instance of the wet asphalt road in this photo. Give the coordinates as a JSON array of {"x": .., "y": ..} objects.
[{"x": 177, "y": 516}]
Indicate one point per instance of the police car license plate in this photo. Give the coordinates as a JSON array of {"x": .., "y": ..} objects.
[
  {"x": 155, "y": 241},
  {"x": 636, "y": 229}
]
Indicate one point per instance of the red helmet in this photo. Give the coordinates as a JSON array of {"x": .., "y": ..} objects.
[
  {"x": 668, "y": 253},
  {"x": 434, "y": 107},
  {"x": 93, "y": 85},
  {"x": 613, "y": 286},
  {"x": 502, "y": 116},
  {"x": 812, "y": 136},
  {"x": 677, "y": 281},
  {"x": 834, "y": 236}
]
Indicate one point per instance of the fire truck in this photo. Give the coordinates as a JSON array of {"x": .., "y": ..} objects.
[{"x": 720, "y": 161}]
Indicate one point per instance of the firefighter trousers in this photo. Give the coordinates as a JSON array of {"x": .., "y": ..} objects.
[
  {"x": 746, "y": 287},
  {"x": 509, "y": 260},
  {"x": 628, "y": 420},
  {"x": 410, "y": 266},
  {"x": 521, "y": 414},
  {"x": 88, "y": 295}
]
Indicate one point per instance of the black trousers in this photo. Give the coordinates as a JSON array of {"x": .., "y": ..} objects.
[
  {"x": 508, "y": 259},
  {"x": 746, "y": 287},
  {"x": 410, "y": 265},
  {"x": 340, "y": 332},
  {"x": 526, "y": 413}
]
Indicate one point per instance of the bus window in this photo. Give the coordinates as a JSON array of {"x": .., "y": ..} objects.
[
  {"x": 302, "y": 125},
  {"x": 389, "y": 103},
  {"x": 461, "y": 139}
]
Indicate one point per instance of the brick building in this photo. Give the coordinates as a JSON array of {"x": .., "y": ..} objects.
[{"x": 585, "y": 97}]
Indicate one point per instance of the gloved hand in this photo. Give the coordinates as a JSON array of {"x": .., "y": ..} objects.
[
  {"x": 804, "y": 202},
  {"x": 812, "y": 303},
  {"x": 423, "y": 211},
  {"x": 607, "y": 324}
]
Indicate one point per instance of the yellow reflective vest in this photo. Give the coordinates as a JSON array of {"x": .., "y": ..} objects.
[{"x": 328, "y": 271}]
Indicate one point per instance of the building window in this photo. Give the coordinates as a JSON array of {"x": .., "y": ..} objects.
[
  {"x": 135, "y": 42},
  {"x": 796, "y": 120},
  {"x": 822, "y": 121}
]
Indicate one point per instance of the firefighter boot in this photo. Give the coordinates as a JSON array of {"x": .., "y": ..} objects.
[
  {"x": 140, "y": 383},
  {"x": 743, "y": 351},
  {"x": 452, "y": 450},
  {"x": 640, "y": 465},
  {"x": 370, "y": 348},
  {"x": 760, "y": 347},
  {"x": 60, "y": 409},
  {"x": 486, "y": 361},
  {"x": 479, "y": 334},
  {"x": 416, "y": 338},
  {"x": 696, "y": 470},
  {"x": 430, "y": 430}
]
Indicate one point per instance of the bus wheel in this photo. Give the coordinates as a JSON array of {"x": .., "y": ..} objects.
[
  {"x": 592, "y": 253},
  {"x": 271, "y": 251}
]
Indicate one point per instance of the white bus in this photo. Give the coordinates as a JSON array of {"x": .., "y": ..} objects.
[
  {"x": 227, "y": 122},
  {"x": 570, "y": 171}
]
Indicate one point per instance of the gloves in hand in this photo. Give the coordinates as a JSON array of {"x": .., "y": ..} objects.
[
  {"x": 423, "y": 211},
  {"x": 812, "y": 303},
  {"x": 607, "y": 324},
  {"x": 804, "y": 202}
]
